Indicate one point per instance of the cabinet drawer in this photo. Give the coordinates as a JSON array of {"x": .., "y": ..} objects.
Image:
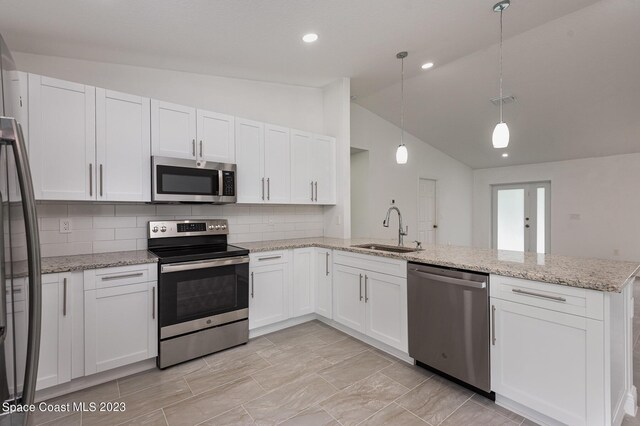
[
  {"x": 268, "y": 258},
  {"x": 570, "y": 300},
  {"x": 117, "y": 276},
  {"x": 380, "y": 264}
]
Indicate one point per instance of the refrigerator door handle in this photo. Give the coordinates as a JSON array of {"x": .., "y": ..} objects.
[
  {"x": 12, "y": 134},
  {"x": 3, "y": 283}
]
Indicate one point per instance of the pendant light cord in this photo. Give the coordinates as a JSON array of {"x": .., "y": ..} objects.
[
  {"x": 402, "y": 101},
  {"x": 501, "y": 98}
]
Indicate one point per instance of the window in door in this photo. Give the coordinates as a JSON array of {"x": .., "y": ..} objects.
[{"x": 521, "y": 217}]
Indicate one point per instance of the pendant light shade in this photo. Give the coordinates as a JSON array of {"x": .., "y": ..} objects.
[
  {"x": 500, "y": 137},
  {"x": 402, "y": 154}
]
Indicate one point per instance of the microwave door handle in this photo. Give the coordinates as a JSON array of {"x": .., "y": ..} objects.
[
  {"x": 220, "y": 188},
  {"x": 16, "y": 139}
]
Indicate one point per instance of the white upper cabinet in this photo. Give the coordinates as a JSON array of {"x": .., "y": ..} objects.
[
  {"x": 216, "y": 138},
  {"x": 323, "y": 154},
  {"x": 173, "y": 130},
  {"x": 62, "y": 138},
  {"x": 277, "y": 164},
  {"x": 249, "y": 155},
  {"x": 313, "y": 168},
  {"x": 302, "y": 188},
  {"x": 184, "y": 132},
  {"x": 123, "y": 147}
]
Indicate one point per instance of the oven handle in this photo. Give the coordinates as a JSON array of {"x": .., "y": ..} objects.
[{"x": 202, "y": 264}]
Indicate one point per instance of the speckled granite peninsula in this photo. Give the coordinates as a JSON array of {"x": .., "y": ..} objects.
[
  {"x": 594, "y": 274},
  {"x": 81, "y": 262}
]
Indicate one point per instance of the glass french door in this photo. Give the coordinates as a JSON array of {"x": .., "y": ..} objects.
[{"x": 521, "y": 217}]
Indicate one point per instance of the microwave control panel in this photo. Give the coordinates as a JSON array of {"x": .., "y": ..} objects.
[{"x": 228, "y": 183}]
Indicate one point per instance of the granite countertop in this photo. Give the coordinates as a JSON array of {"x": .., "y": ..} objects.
[
  {"x": 593, "y": 274},
  {"x": 81, "y": 262}
]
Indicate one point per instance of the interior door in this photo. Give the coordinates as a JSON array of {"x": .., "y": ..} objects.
[
  {"x": 521, "y": 217},
  {"x": 427, "y": 211}
]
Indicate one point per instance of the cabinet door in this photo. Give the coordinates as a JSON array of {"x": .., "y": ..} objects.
[
  {"x": 386, "y": 309},
  {"x": 54, "y": 366},
  {"x": 268, "y": 295},
  {"x": 549, "y": 361},
  {"x": 18, "y": 322},
  {"x": 216, "y": 137},
  {"x": 302, "y": 190},
  {"x": 324, "y": 168},
  {"x": 62, "y": 139},
  {"x": 249, "y": 157},
  {"x": 348, "y": 297},
  {"x": 120, "y": 326},
  {"x": 277, "y": 164},
  {"x": 173, "y": 130},
  {"x": 302, "y": 286},
  {"x": 123, "y": 146},
  {"x": 323, "y": 280}
]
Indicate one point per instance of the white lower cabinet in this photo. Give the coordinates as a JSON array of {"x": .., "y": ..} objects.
[
  {"x": 551, "y": 362},
  {"x": 269, "y": 283},
  {"x": 120, "y": 316},
  {"x": 302, "y": 289},
  {"x": 323, "y": 273},
  {"x": 371, "y": 302}
]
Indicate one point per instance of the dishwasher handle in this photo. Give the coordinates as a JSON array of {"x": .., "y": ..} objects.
[{"x": 450, "y": 280}]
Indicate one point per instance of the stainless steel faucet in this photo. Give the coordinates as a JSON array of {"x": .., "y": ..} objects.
[{"x": 401, "y": 232}]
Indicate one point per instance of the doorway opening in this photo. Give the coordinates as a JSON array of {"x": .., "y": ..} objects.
[
  {"x": 427, "y": 216},
  {"x": 521, "y": 217},
  {"x": 360, "y": 193}
]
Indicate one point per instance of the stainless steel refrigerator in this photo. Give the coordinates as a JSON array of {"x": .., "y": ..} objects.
[{"x": 20, "y": 283}]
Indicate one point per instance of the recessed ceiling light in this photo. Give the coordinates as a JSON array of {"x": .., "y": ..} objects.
[
  {"x": 427, "y": 65},
  {"x": 310, "y": 38},
  {"x": 505, "y": 154}
]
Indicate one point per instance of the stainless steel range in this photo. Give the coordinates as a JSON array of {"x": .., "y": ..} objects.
[{"x": 203, "y": 289}]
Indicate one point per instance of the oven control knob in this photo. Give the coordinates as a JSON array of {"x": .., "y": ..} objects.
[
  {"x": 223, "y": 226},
  {"x": 154, "y": 229},
  {"x": 211, "y": 228},
  {"x": 163, "y": 229},
  {"x": 217, "y": 227}
]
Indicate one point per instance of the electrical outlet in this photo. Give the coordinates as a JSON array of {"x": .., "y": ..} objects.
[
  {"x": 65, "y": 226},
  {"x": 616, "y": 252}
]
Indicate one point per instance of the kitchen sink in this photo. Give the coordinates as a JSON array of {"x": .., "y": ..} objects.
[{"x": 383, "y": 247}]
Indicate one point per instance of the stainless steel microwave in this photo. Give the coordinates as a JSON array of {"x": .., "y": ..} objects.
[{"x": 177, "y": 180}]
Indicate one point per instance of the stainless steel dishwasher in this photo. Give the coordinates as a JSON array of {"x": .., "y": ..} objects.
[{"x": 449, "y": 322}]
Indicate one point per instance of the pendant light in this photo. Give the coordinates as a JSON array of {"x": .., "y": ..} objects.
[
  {"x": 402, "y": 155},
  {"x": 500, "y": 136}
]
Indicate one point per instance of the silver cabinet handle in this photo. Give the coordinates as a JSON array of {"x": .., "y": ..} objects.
[
  {"x": 90, "y": 179},
  {"x": 153, "y": 302},
  {"x": 268, "y": 188},
  {"x": 366, "y": 292},
  {"x": 193, "y": 147},
  {"x": 361, "y": 287},
  {"x": 64, "y": 297},
  {"x": 200, "y": 148},
  {"x": 118, "y": 277},
  {"x": 101, "y": 180},
  {"x": 263, "y": 189},
  {"x": 316, "y": 185},
  {"x": 311, "y": 190},
  {"x": 252, "y": 285},
  {"x": 493, "y": 325},
  {"x": 544, "y": 296},
  {"x": 260, "y": 259},
  {"x": 326, "y": 263}
]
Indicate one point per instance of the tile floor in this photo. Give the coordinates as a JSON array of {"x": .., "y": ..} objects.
[{"x": 310, "y": 374}]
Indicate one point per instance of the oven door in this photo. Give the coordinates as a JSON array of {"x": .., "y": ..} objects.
[
  {"x": 180, "y": 180},
  {"x": 202, "y": 294}
]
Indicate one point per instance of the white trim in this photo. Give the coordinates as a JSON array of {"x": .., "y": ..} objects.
[
  {"x": 281, "y": 325},
  {"x": 526, "y": 412}
]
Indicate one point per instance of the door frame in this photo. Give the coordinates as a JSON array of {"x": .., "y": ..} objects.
[
  {"x": 435, "y": 207},
  {"x": 530, "y": 206}
]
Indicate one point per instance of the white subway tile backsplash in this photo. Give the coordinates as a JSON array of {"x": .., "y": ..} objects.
[{"x": 97, "y": 228}]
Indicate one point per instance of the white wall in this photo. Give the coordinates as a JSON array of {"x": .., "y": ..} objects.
[
  {"x": 388, "y": 180},
  {"x": 286, "y": 105},
  {"x": 603, "y": 191}
]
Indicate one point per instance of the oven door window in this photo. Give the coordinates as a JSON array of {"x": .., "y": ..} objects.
[
  {"x": 199, "y": 293},
  {"x": 184, "y": 180}
]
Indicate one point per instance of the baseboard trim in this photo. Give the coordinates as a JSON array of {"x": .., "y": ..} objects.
[
  {"x": 631, "y": 402},
  {"x": 256, "y": 332},
  {"x": 95, "y": 379},
  {"x": 526, "y": 412}
]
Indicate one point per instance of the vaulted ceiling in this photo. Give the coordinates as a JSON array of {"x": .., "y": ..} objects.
[{"x": 572, "y": 65}]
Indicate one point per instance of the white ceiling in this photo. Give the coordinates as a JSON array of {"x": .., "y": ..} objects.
[{"x": 573, "y": 64}]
